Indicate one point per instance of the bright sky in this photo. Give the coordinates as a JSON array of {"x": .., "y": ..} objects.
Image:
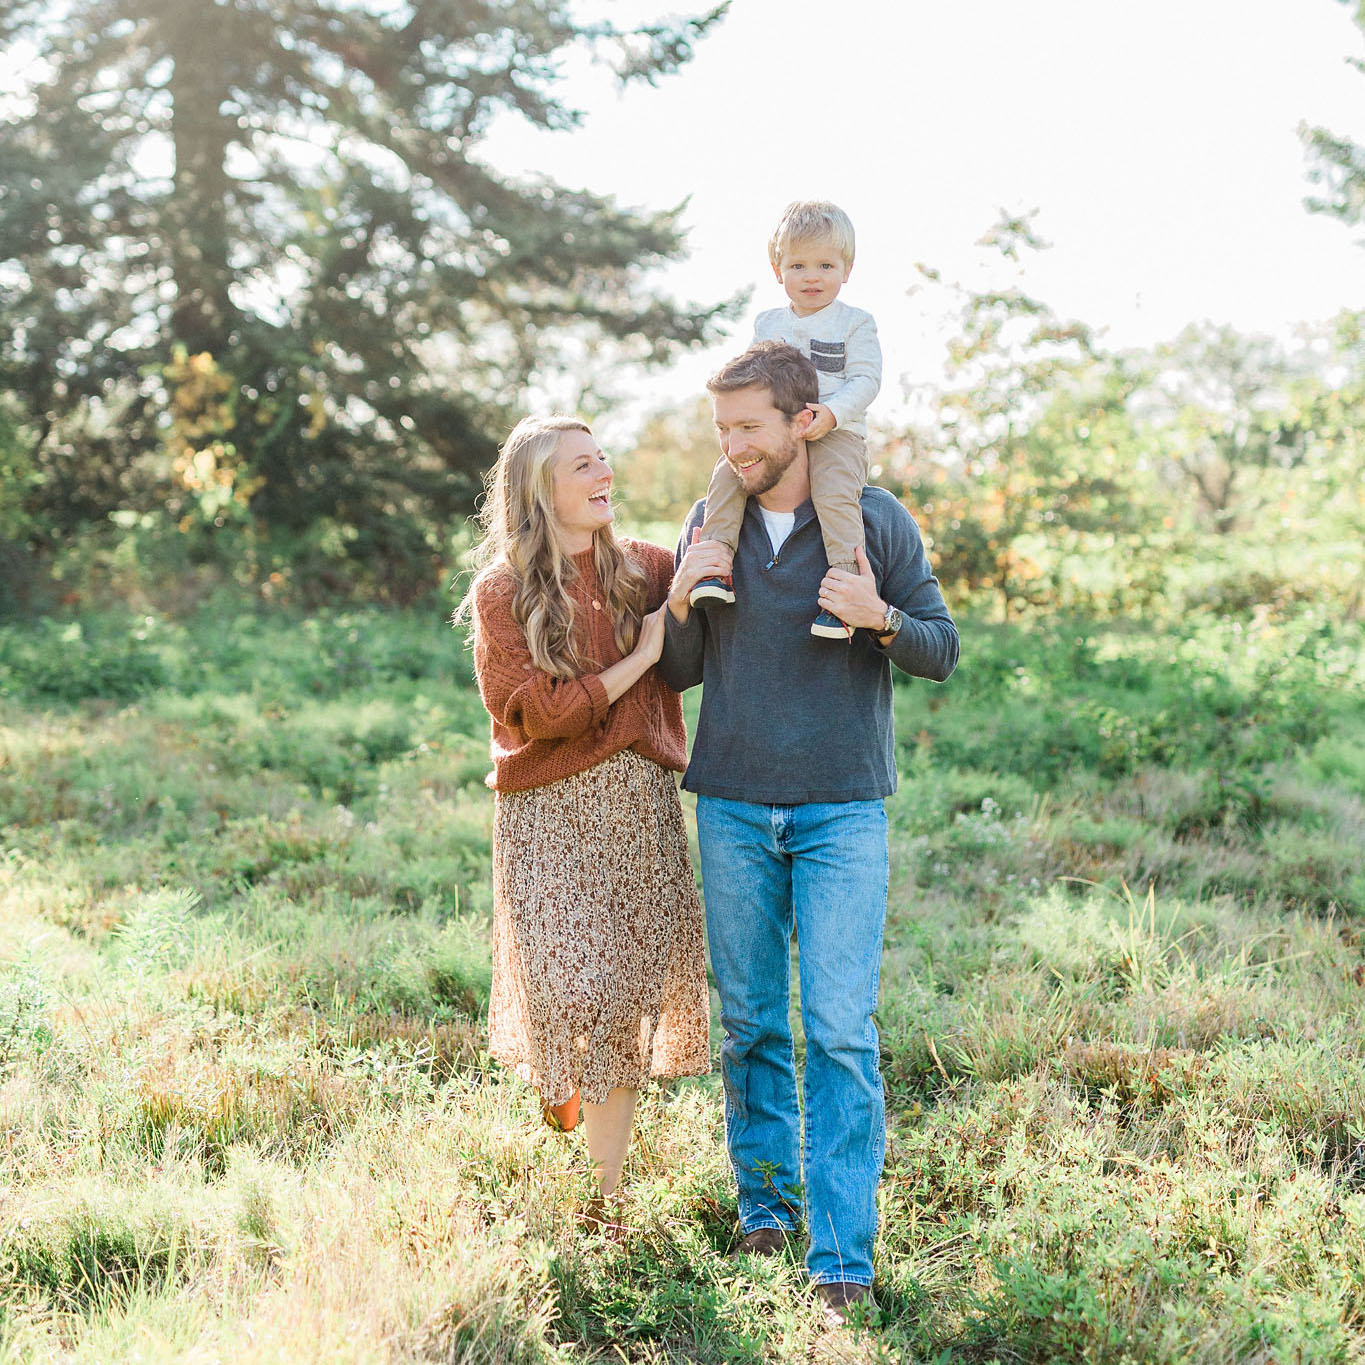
[{"x": 1157, "y": 140}]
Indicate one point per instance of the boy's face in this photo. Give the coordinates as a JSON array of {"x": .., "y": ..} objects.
[{"x": 812, "y": 273}]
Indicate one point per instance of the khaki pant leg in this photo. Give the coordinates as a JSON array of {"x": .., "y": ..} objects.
[
  {"x": 838, "y": 471},
  {"x": 725, "y": 499}
]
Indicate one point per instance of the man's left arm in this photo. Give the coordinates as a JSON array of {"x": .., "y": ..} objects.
[
  {"x": 684, "y": 649},
  {"x": 895, "y": 573}
]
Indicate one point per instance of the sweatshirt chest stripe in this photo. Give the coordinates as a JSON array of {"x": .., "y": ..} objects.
[{"x": 828, "y": 356}]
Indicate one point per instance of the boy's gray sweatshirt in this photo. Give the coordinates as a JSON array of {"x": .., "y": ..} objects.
[
  {"x": 786, "y": 717},
  {"x": 842, "y": 344}
]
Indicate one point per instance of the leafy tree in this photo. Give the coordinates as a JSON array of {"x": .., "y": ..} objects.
[
  {"x": 1222, "y": 407},
  {"x": 1027, "y": 468},
  {"x": 1338, "y": 163},
  {"x": 671, "y": 464},
  {"x": 289, "y": 196},
  {"x": 1313, "y": 523},
  {"x": 17, "y": 478}
]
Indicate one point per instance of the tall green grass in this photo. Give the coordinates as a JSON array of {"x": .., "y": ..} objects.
[{"x": 247, "y": 1111}]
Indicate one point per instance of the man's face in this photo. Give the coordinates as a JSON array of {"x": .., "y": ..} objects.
[{"x": 759, "y": 441}]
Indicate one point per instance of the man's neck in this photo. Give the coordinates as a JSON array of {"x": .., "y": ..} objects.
[{"x": 792, "y": 489}]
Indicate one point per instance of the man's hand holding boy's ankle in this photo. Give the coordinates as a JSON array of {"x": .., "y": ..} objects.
[
  {"x": 853, "y": 597},
  {"x": 701, "y": 559}
]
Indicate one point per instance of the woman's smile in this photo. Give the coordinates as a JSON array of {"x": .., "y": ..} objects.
[{"x": 582, "y": 490}]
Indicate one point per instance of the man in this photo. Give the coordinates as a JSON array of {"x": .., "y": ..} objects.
[{"x": 793, "y": 755}]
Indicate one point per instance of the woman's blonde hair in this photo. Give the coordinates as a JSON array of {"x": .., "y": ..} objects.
[{"x": 519, "y": 540}]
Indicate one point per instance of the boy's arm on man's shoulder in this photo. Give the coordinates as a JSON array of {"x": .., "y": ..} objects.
[
  {"x": 862, "y": 371},
  {"x": 926, "y": 646}
]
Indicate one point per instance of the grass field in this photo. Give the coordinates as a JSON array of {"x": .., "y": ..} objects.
[{"x": 247, "y": 1113}]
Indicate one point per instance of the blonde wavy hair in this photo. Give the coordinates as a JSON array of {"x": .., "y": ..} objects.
[{"x": 520, "y": 540}]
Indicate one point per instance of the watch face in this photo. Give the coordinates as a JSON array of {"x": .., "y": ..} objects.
[{"x": 893, "y": 621}]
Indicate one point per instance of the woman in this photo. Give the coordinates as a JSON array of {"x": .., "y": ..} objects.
[{"x": 598, "y": 974}]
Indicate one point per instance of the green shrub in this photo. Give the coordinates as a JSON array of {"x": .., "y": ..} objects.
[
  {"x": 76, "y": 661},
  {"x": 24, "y": 1009}
]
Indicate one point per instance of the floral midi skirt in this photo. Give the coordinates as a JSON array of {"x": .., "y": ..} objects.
[{"x": 599, "y": 976}]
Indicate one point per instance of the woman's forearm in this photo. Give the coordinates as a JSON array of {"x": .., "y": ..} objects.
[{"x": 625, "y": 673}]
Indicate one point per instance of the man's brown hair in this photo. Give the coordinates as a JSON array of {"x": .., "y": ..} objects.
[{"x": 788, "y": 376}]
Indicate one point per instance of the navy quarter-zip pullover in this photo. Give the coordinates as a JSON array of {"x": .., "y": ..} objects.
[{"x": 786, "y": 717}]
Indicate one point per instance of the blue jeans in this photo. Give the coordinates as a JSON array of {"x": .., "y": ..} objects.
[{"x": 821, "y": 868}]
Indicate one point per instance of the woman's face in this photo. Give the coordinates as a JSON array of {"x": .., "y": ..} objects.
[{"x": 582, "y": 490}]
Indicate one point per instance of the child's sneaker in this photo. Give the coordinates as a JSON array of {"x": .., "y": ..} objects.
[
  {"x": 712, "y": 590},
  {"x": 830, "y": 627}
]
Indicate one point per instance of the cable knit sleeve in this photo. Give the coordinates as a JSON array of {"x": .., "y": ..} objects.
[
  {"x": 516, "y": 693},
  {"x": 657, "y": 563}
]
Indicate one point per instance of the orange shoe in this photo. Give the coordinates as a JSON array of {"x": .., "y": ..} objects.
[{"x": 563, "y": 1118}]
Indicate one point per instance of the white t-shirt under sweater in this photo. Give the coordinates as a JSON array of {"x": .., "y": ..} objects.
[
  {"x": 779, "y": 526},
  {"x": 842, "y": 342}
]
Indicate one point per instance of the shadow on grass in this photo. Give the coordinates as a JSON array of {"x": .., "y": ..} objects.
[
  {"x": 87, "y": 1268},
  {"x": 653, "y": 1294}
]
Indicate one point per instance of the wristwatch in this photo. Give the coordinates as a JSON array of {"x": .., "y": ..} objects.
[{"x": 892, "y": 624}]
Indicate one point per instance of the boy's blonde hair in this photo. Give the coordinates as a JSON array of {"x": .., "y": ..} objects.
[{"x": 812, "y": 220}]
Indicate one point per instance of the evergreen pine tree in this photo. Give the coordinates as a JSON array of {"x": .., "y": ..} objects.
[{"x": 288, "y": 194}]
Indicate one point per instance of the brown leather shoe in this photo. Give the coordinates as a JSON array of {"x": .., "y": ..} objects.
[
  {"x": 763, "y": 1242},
  {"x": 603, "y": 1215},
  {"x": 840, "y": 1298}
]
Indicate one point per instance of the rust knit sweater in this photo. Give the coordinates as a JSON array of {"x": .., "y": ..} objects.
[{"x": 547, "y": 728}]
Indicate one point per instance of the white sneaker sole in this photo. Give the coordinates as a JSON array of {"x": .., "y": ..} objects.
[{"x": 710, "y": 594}]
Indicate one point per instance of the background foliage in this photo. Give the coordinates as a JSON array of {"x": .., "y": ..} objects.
[
  {"x": 256, "y": 279},
  {"x": 264, "y": 317}
]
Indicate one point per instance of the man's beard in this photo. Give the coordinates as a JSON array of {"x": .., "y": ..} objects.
[{"x": 769, "y": 474}]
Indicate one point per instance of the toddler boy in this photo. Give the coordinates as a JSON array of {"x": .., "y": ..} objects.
[{"x": 812, "y": 254}]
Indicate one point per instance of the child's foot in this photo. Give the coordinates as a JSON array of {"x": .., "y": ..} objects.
[
  {"x": 828, "y": 626},
  {"x": 712, "y": 590}
]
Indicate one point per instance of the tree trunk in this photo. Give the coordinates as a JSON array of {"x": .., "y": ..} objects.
[{"x": 203, "y": 317}]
